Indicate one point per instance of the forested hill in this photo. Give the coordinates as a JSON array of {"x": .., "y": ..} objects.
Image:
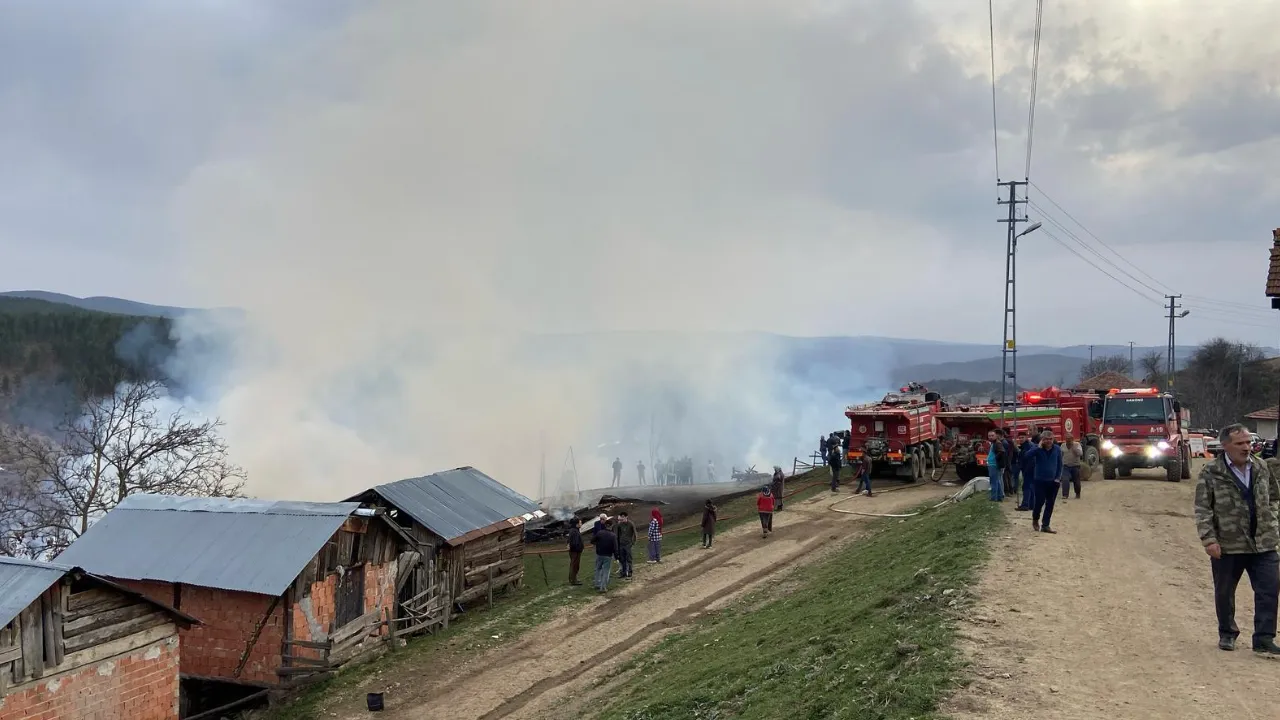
[{"x": 45, "y": 344}]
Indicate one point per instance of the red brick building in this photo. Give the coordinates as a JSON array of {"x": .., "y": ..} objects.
[
  {"x": 73, "y": 645},
  {"x": 282, "y": 589}
]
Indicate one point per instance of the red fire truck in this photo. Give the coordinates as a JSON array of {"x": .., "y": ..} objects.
[
  {"x": 898, "y": 433},
  {"x": 964, "y": 438},
  {"x": 1144, "y": 428},
  {"x": 1089, "y": 430}
]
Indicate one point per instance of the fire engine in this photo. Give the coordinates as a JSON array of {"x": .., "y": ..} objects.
[
  {"x": 1089, "y": 430},
  {"x": 964, "y": 440},
  {"x": 898, "y": 433},
  {"x": 1144, "y": 428}
]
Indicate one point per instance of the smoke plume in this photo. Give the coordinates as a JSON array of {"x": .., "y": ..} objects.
[{"x": 472, "y": 233}]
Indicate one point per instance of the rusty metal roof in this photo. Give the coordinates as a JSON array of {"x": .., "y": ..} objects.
[
  {"x": 248, "y": 545},
  {"x": 1271, "y": 413},
  {"x": 1273, "y": 273},
  {"x": 455, "y": 504},
  {"x": 1106, "y": 381}
]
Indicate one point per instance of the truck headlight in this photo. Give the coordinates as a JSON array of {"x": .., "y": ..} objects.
[
  {"x": 1162, "y": 445},
  {"x": 1107, "y": 445},
  {"x": 1116, "y": 452},
  {"x": 1153, "y": 451}
]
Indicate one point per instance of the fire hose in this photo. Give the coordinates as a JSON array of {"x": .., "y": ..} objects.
[{"x": 964, "y": 492}]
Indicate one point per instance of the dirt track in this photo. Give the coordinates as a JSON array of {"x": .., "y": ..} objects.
[
  {"x": 1110, "y": 618},
  {"x": 538, "y": 673}
]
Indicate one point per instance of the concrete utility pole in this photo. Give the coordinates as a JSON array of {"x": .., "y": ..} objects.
[
  {"x": 1009, "y": 352},
  {"x": 1090, "y": 354},
  {"x": 1171, "y": 362},
  {"x": 1130, "y": 358}
]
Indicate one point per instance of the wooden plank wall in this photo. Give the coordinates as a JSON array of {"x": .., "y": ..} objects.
[
  {"x": 62, "y": 630},
  {"x": 487, "y": 564}
]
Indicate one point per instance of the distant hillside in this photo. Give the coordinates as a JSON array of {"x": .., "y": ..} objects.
[
  {"x": 113, "y": 305},
  {"x": 52, "y": 353},
  {"x": 1033, "y": 370}
]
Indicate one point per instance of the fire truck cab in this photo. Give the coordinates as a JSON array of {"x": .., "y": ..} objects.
[{"x": 1144, "y": 428}]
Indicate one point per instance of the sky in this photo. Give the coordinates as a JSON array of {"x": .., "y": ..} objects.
[
  {"x": 365, "y": 176},
  {"x": 815, "y": 162}
]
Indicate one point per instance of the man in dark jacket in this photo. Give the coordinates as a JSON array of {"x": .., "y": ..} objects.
[
  {"x": 626, "y": 532},
  {"x": 575, "y": 549},
  {"x": 1025, "y": 466},
  {"x": 606, "y": 547},
  {"x": 1238, "y": 518},
  {"x": 836, "y": 460},
  {"x": 1045, "y": 462},
  {"x": 709, "y": 516},
  {"x": 778, "y": 486}
]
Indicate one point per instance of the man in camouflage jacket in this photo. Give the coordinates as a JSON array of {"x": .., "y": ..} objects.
[{"x": 1238, "y": 518}]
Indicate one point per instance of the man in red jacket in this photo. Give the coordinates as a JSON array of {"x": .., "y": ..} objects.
[{"x": 764, "y": 504}]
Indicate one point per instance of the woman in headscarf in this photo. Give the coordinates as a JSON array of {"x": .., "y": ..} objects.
[
  {"x": 778, "y": 487},
  {"x": 764, "y": 504},
  {"x": 709, "y": 515},
  {"x": 655, "y": 536}
]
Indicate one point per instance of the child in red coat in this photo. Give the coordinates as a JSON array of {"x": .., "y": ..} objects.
[{"x": 764, "y": 503}]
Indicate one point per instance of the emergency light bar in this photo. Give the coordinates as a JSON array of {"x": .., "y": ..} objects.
[{"x": 1135, "y": 391}]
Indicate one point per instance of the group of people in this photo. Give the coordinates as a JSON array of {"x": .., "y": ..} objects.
[
  {"x": 675, "y": 471},
  {"x": 1036, "y": 464},
  {"x": 614, "y": 537}
]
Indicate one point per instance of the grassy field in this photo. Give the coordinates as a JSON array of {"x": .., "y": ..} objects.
[
  {"x": 867, "y": 633},
  {"x": 545, "y": 591}
]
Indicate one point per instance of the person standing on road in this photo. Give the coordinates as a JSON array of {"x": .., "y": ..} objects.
[
  {"x": 640, "y": 471},
  {"x": 655, "y": 536},
  {"x": 606, "y": 548},
  {"x": 617, "y": 472},
  {"x": 625, "y": 530},
  {"x": 709, "y": 516},
  {"x": 1024, "y": 465},
  {"x": 575, "y": 550},
  {"x": 778, "y": 486},
  {"x": 1238, "y": 517},
  {"x": 764, "y": 505},
  {"x": 1045, "y": 464},
  {"x": 1072, "y": 456},
  {"x": 835, "y": 461},
  {"x": 996, "y": 459},
  {"x": 862, "y": 469}
]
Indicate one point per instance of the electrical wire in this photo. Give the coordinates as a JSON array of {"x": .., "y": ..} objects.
[
  {"x": 995, "y": 127},
  {"x": 1091, "y": 249},
  {"x": 1035, "y": 83},
  {"x": 1095, "y": 266}
]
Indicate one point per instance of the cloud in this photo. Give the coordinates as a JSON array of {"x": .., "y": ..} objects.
[{"x": 399, "y": 193}]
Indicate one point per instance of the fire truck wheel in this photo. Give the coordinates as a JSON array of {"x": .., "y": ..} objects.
[
  {"x": 1091, "y": 455},
  {"x": 1173, "y": 470},
  {"x": 1186, "y": 463},
  {"x": 1108, "y": 470}
]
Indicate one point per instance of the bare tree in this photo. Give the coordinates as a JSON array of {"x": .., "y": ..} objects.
[
  {"x": 1224, "y": 380},
  {"x": 1152, "y": 365},
  {"x": 117, "y": 446},
  {"x": 1106, "y": 363}
]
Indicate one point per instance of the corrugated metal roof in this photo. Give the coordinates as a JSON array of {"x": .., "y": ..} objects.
[
  {"x": 256, "y": 546},
  {"x": 22, "y": 581},
  {"x": 456, "y": 502}
]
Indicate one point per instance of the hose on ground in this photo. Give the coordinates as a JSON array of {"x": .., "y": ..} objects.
[{"x": 964, "y": 492}]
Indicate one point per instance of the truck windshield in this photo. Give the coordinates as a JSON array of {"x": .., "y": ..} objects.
[{"x": 1135, "y": 409}]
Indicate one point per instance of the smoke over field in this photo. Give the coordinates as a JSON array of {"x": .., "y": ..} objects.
[{"x": 463, "y": 232}]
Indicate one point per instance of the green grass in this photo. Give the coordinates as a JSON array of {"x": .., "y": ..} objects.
[{"x": 868, "y": 633}]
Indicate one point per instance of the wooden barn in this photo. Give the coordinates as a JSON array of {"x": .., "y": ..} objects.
[
  {"x": 73, "y": 645},
  {"x": 468, "y": 535},
  {"x": 284, "y": 591}
]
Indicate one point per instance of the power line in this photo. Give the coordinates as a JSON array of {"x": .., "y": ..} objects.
[
  {"x": 1094, "y": 251},
  {"x": 1035, "y": 83},
  {"x": 1101, "y": 242},
  {"x": 1095, "y": 266},
  {"x": 995, "y": 128}
]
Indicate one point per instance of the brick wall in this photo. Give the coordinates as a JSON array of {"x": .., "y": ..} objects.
[
  {"x": 380, "y": 588},
  {"x": 213, "y": 648},
  {"x": 139, "y": 685},
  {"x": 318, "y": 609}
]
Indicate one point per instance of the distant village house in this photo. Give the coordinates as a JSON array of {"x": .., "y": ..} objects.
[{"x": 75, "y": 645}]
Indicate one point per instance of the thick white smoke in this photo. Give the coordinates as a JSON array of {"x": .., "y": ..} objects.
[{"x": 407, "y": 203}]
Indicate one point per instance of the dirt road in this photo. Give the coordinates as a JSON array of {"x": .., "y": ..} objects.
[
  {"x": 536, "y": 674},
  {"x": 1110, "y": 618}
]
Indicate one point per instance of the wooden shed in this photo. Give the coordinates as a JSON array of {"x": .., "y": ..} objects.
[
  {"x": 468, "y": 541},
  {"x": 73, "y": 645},
  {"x": 284, "y": 591}
]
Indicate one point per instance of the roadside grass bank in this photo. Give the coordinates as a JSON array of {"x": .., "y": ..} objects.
[
  {"x": 545, "y": 591},
  {"x": 867, "y": 633}
]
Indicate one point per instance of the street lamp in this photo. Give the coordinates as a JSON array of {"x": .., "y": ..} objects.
[{"x": 1030, "y": 229}]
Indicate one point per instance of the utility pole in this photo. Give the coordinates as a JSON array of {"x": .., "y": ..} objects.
[
  {"x": 1171, "y": 362},
  {"x": 1130, "y": 358},
  {"x": 1090, "y": 355},
  {"x": 1009, "y": 352}
]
